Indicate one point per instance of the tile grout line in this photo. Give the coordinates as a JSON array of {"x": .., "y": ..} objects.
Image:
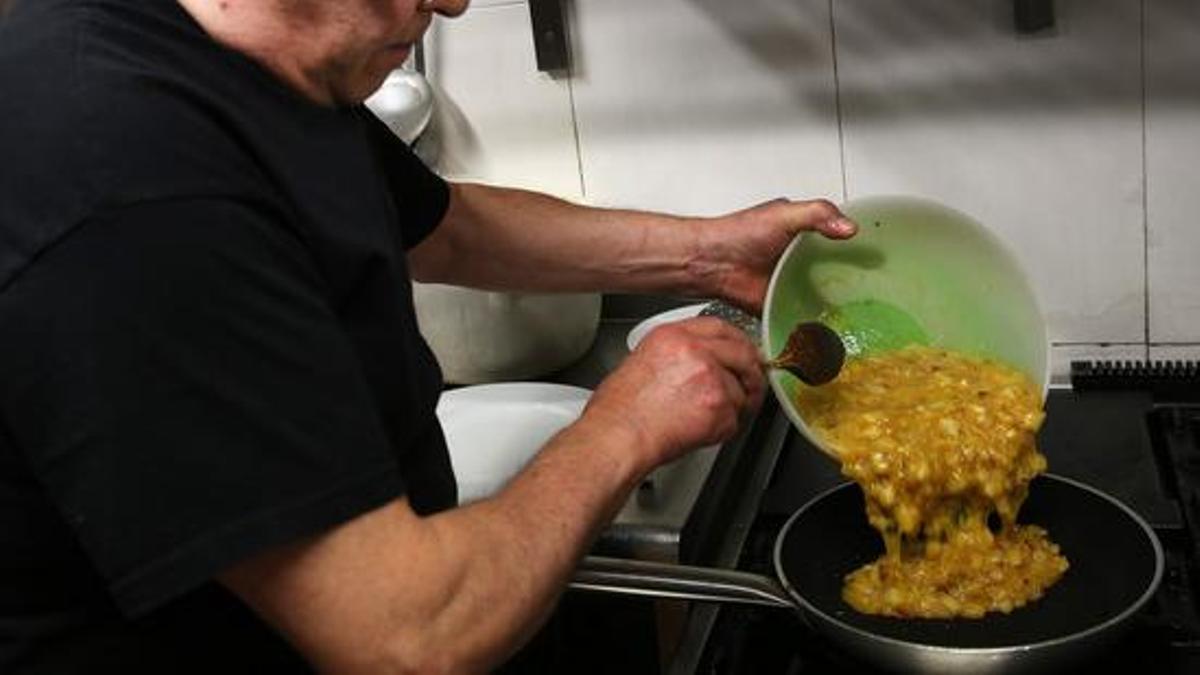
[
  {"x": 1095, "y": 343},
  {"x": 1145, "y": 185},
  {"x": 1116, "y": 343},
  {"x": 571, "y": 99},
  {"x": 578, "y": 144},
  {"x": 837, "y": 101}
]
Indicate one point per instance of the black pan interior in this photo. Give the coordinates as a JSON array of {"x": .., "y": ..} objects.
[{"x": 1113, "y": 563}]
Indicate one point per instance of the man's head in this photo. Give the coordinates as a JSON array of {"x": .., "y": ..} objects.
[{"x": 336, "y": 53}]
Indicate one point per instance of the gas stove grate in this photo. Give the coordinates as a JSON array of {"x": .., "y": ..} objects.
[{"x": 1177, "y": 381}]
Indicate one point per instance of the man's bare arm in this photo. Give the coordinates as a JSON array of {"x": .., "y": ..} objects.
[
  {"x": 460, "y": 591},
  {"x": 457, "y": 592},
  {"x": 507, "y": 239}
]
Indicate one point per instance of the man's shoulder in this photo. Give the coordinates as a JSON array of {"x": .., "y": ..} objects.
[
  {"x": 121, "y": 99},
  {"x": 106, "y": 105}
]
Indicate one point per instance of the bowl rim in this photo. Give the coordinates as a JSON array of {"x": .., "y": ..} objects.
[{"x": 776, "y": 377}]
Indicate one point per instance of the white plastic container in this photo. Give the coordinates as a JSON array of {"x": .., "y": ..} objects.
[{"x": 481, "y": 336}]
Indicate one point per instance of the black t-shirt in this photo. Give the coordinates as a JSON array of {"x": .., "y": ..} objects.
[{"x": 207, "y": 339}]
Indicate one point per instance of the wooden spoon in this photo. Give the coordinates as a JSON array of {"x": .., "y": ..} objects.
[{"x": 814, "y": 353}]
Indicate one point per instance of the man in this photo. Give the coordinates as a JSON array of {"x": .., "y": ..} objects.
[{"x": 218, "y": 450}]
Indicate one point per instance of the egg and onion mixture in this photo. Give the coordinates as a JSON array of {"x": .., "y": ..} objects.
[{"x": 942, "y": 445}]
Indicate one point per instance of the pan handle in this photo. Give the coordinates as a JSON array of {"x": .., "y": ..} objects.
[{"x": 665, "y": 580}]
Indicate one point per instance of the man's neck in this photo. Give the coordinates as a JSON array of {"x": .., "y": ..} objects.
[{"x": 264, "y": 32}]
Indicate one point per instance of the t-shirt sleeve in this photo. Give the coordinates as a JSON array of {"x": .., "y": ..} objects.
[
  {"x": 421, "y": 196},
  {"x": 188, "y": 397}
]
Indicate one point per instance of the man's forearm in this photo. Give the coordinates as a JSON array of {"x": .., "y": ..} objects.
[
  {"x": 514, "y": 553},
  {"x": 389, "y": 591},
  {"x": 455, "y": 592},
  {"x": 500, "y": 238}
]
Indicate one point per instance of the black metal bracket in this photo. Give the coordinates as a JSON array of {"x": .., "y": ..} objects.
[
  {"x": 549, "y": 35},
  {"x": 1033, "y": 16}
]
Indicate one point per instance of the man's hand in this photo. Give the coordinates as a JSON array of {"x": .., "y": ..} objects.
[
  {"x": 738, "y": 251},
  {"x": 504, "y": 239},
  {"x": 389, "y": 591},
  {"x": 687, "y": 385},
  {"x": 459, "y": 591}
]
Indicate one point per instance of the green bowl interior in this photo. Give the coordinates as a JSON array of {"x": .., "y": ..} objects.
[{"x": 917, "y": 271}]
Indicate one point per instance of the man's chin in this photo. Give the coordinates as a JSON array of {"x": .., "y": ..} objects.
[{"x": 354, "y": 93}]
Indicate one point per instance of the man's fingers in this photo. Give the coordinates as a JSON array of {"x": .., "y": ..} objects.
[
  {"x": 815, "y": 215},
  {"x": 838, "y": 228},
  {"x": 743, "y": 362},
  {"x": 735, "y": 389},
  {"x": 731, "y": 349},
  {"x": 712, "y": 327},
  {"x": 822, "y": 215}
]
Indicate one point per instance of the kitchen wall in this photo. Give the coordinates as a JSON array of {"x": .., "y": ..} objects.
[{"x": 1079, "y": 145}]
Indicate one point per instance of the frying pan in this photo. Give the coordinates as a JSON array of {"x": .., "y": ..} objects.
[{"x": 1116, "y": 565}]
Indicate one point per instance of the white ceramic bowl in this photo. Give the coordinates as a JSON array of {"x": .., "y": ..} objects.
[
  {"x": 494, "y": 430},
  {"x": 957, "y": 279}
]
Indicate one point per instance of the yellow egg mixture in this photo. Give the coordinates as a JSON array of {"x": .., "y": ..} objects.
[{"x": 941, "y": 444}]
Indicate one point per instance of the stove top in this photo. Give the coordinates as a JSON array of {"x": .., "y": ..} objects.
[{"x": 1129, "y": 430}]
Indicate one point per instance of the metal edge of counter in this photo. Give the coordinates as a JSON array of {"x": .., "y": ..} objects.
[{"x": 716, "y": 532}]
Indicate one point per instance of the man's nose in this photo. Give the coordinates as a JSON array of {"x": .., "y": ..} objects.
[{"x": 445, "y": 7}]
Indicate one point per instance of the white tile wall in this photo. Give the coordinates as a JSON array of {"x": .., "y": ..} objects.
[
  {"x": 1175, "y": 353},
  {"x": 1173, "y": 168},
  {"x": 1039, "y": 138},
  {"x": 702, "y": 106},
  {"x": 497, "y": 119}
]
